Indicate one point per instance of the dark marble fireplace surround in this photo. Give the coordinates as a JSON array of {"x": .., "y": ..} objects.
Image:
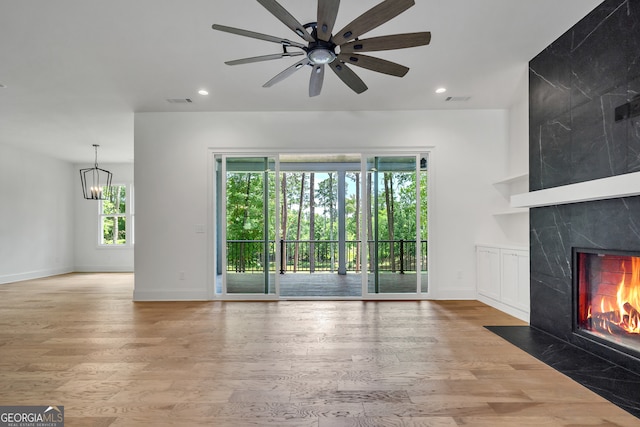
[{"x": 575, "y": 86}]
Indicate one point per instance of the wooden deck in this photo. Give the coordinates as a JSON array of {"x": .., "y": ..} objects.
[
  {"x": 321, "y": 285},
  {"x": 79, "y": 341}
]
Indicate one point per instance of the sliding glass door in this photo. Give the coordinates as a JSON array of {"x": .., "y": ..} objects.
[
  {"x": 313, "y": 226},
  {"x": 396, "y": 224},
  {"x": 249, "y": 219}
]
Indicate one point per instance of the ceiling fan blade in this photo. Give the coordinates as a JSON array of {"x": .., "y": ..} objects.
[
  {"x": 287, "y": 72},
  {"x": 371, "y": 19},
  {"x": 287, "y": 19},
  {"x": 374, "y": 64},
  {"x": 396, "y": 41},
  {"x": 259, "y": 36},
  {"x": 263, "y": 58},
  {"x": 327, "y": 13},
  {"x": 317, "y": 78},
  {"x": 349, "y": 78}
]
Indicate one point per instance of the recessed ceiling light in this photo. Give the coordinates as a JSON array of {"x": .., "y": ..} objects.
[
  {"x": 203, "y": 92},
  {"x": 441, "y": 90}
]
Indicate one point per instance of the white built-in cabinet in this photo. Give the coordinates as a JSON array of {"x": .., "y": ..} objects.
[
  {"x": 502, "y": 271},
  {"x": 514, "y": 281},
  {"x": 488, "y": 270},
  {"x": 503, "y": 278}
]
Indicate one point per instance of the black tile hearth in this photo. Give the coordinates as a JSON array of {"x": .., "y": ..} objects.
[{"x": 618, "y": 385}]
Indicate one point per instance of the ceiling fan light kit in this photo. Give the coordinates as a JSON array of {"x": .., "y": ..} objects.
[{"x": 321, "y": 46}]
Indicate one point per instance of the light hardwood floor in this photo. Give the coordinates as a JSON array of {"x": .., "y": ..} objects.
[{"x": 79, "y": 341}]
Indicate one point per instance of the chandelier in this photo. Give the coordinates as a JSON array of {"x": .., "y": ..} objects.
[{"x": 96, "y": 182}]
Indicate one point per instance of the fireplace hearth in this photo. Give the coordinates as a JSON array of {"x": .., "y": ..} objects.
[
  {"x": 607, "y": 298},
  {"x": 616, "y": 384}
]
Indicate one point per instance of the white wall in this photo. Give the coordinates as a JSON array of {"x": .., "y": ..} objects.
[
  {"x": 516, "y": 227},
  {"x": 172, "y": 151},
  {"x": 89, "y": 257},
  {"x": 518, "y": 149},
  {"x": 36, "y": 215}
]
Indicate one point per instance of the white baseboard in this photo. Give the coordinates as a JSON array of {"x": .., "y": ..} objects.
[
  {"x": 513, "y": 311},
  {"x": 196, "y": 295},
  {"x": 454, "y": 294},
  {"x": 104, "y": 269},
  {"x": 38, "y": 274}
]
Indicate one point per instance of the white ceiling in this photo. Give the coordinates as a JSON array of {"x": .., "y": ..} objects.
[{"x": 75, "y": 71}]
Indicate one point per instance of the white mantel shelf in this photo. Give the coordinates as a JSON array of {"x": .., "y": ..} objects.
[{"x": 598, "y": 189}]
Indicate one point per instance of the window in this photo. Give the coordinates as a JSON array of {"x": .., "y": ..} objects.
[{"x": 116, "y": 217}]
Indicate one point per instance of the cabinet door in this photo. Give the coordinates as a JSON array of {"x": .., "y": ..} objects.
[
  {"x": 515, "y": 279},
  {"x": 488, "y": 272},
  {"x": 524, "y": 284},
  {"x": 510, "y": 275}
]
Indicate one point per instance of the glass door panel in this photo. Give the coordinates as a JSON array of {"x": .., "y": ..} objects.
[
  {"x": 391, "y": 225},
  {"x": 250, "y": 184},
  {"x": 424, "y": 223}
]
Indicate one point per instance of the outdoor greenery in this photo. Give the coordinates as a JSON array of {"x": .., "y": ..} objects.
[
  {"x": 309, "y": 217},
  {"x": 113, "y": 215}
]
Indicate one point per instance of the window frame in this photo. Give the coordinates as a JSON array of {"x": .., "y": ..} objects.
[{"x": 128, "y": 215}]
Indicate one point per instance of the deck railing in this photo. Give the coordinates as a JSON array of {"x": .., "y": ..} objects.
[{"x": 245, "y": 256}]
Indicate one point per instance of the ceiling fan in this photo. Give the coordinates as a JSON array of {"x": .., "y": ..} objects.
[{"x": 321, "y": 46}]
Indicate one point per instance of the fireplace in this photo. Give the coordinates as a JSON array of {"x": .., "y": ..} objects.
[{"x": 607, "y": 298}]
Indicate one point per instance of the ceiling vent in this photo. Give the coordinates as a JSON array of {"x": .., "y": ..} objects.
[
  {"x": 457, "y": 98},
  {"x": 179, "y": 101}
]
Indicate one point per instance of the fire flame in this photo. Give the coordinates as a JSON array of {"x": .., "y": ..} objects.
[
  {"x": 628, "y": 298},
  {"x": 623, "y": 314}
]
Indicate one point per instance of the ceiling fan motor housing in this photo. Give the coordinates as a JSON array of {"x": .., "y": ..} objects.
[{"x": 321, "y": 52}]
